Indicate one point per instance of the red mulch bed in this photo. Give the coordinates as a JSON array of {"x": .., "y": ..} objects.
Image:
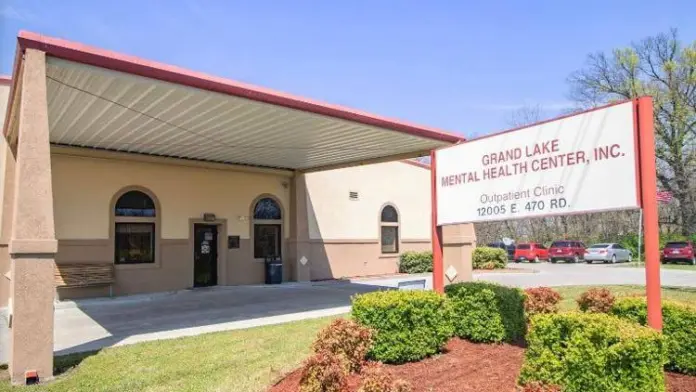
[
  {"x": 467, "y": 367},
  {"x": 680, "y": 383}
]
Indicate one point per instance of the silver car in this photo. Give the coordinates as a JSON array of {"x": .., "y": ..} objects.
[{"x": 608, "y": 253}]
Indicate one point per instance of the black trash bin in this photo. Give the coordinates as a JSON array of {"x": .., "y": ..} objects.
[{"x": 274, "y": 270}]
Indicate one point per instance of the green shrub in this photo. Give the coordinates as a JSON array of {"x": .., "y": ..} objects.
[
  {"x": 679, "y": 329},
  {"x": 486, "y": 312},
  {"x": 489, "y": 258},
  {"x": 408, "y": 325},
  {"x": 589, "y": 352},
  {"x": 323, "y": 372},
  {"x": 540, "y": 387},
  {"x": 596, "y": 300},
  {"x": 630, "y": 242},
  {"x": 541, "y": 300},
  {"x": 346, "y": 339},
  {"x": 416, "y": 262}
]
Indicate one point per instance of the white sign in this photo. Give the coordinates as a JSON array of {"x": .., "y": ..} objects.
[
  {"x": 582, "y": 163},
  {"x": 205, "y": 248}
]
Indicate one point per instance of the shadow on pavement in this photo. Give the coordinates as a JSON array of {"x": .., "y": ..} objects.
[{"x": 93, "y": 324}]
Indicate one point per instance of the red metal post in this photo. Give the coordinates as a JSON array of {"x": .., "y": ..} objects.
[
  {"x": 438, "y": 270},
  {"x": 648, "y": 178}
]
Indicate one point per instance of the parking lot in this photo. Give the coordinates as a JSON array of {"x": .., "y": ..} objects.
[{"x": 566, "y": 274}]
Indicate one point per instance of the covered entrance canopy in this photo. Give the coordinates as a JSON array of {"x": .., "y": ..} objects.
[
  {"x": 66, "y": 95},
  {"x": 100, "y": 99}
]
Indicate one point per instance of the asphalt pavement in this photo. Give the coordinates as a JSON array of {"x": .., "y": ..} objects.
[{"x": 569, "y": 274}]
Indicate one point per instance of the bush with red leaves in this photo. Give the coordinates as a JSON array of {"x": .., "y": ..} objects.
[
  {"x": 541, "y": 300},
  {"x": 376, "y": 379},
  {"x": 346, "y": 339},
  {"x": 596, "y": 300},
  {"x": 324, "y": 372}
]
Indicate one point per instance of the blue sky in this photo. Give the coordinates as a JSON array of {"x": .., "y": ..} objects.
[{"x": 462, "y": 66}]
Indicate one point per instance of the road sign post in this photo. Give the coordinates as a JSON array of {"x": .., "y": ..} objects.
[
  {"x": 651, "y": 230},
  {"x": 438, "y": 266}
]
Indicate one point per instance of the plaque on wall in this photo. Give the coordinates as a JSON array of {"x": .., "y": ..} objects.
[{"x": 233, "y": 242}]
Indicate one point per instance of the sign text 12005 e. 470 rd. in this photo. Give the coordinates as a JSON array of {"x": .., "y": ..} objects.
[{"x": 576, "y": 164}]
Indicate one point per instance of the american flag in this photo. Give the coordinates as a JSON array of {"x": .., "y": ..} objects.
[{"x": 664, "y": 196}]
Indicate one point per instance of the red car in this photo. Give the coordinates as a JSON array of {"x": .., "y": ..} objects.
[
  {"x": 532, "y": 252},
  {"x": 567, "y": 250},
  {"x": 679, "y": 251}
]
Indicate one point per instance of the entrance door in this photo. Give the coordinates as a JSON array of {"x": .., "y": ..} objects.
[{"x": 204, "y": 255}]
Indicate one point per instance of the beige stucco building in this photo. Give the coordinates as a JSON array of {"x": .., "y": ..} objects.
[
  {"x": 123, "y": 176},
  {"x": 343, "y": 213}
]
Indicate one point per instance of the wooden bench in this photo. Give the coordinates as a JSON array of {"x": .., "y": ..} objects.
[{"x": 84, "y": 275}]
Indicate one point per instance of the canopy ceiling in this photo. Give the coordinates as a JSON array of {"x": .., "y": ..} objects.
[{"x": 103, "y": 100}]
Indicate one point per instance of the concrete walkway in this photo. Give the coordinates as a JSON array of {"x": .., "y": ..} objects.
[{"x": 87, "y": 325}]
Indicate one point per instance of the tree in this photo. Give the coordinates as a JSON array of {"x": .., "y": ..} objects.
[{"x": 660, "y": 66}]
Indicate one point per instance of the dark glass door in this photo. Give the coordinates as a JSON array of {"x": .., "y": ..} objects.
[{"x": 204, "y": 255}]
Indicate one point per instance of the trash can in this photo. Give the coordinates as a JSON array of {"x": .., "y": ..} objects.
[{"x": 274, "y": 270}]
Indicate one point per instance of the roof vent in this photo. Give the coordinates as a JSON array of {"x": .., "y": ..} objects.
[{"x": 353, "y": 196}]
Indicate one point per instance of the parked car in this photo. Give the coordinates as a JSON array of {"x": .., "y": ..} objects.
[
  {"x": 679, "y": 251},
  {"x": 532, "y": 252},
  {"x": 608, "y": 253},
  {"x": 510, "y": 249},
  {"x": 566, "y": 250}
]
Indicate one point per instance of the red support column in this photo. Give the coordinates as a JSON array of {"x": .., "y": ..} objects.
[
  {"x": 438, "y": 273},
  {"x": 648, "y": 177}
]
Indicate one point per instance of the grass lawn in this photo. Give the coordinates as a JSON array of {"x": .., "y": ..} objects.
[
  {"x": 234, "y": 361},
  {"x": 684, "y": 266},
  {"x": 571, "y": 293}
]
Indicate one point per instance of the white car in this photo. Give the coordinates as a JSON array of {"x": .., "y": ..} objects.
[{"x": 608, "y": 253}]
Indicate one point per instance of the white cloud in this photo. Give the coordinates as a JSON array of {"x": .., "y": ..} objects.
[{"x": 10, "y": 12}]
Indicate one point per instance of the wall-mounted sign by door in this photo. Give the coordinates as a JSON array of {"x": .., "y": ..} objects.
[
  {"x": 233, "y": 242},
  {"x": 205, "y": 247}
]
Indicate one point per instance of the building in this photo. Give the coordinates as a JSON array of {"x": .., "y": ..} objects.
[{"x": 125, "y": 176}]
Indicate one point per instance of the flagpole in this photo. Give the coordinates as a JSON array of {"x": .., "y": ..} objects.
[{"x": 640, "y": 233}]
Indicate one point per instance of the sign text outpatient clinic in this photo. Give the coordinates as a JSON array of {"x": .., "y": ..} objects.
[{"x": 582, "y": 163}]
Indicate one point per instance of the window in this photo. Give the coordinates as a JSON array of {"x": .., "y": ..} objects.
[
  {"x": 267, "y": 209},
  {"x": 134, "y": 233},
  {"x": 135, "y": 243},
  {"x": 268, "y": 228},
  {"x": 266, "y": 241},
  {"x": 389, "y": 230},
  {"x": 676, "y": 245}
]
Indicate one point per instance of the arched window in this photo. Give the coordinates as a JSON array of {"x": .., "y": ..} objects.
[
  {"x": 268, "y": 228},
  {"x": 135, "y": 219},
  {"x": 389, "y": 230}
]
